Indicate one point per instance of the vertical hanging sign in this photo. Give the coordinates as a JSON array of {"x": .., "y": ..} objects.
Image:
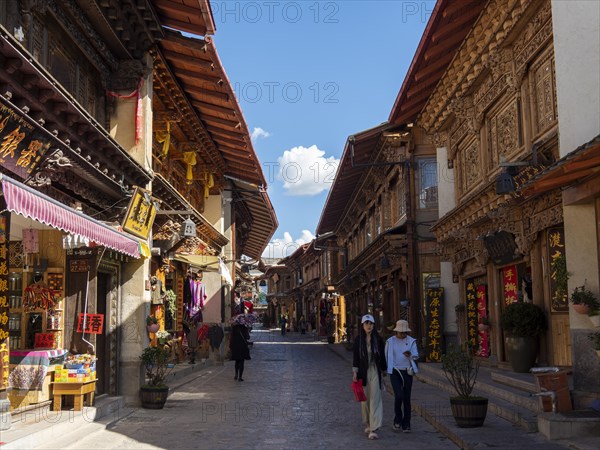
[
  {"x": 433, "y": 301},
  {"x": 484, "y": 336},
  {"x": 4, "y": 305},
  {"x": 558, "y": 270},
  {"x": 471, "y": 314},
  {"x": 509, "y": 278}
]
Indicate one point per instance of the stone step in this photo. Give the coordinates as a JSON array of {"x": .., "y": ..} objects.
[
  {"x": 35, "y": 428},
  {"x": 516, "y": 383},
  {"x": 515, "y": 406}
]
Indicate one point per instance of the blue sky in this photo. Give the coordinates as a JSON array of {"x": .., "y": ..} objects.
[{"x": 307, "y": 75}]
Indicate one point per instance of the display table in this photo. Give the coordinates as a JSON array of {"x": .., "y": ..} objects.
[
  {"x": 77, "y": 390},
  {"x": 31, "y": 373}
]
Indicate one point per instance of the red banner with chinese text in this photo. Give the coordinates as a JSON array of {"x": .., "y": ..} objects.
[
  {"x": 94, "y": 323},
  {"x": 433, "y": 302},
  {"x": 509, "y": 283},
  {"x": 484, "y": 336}
]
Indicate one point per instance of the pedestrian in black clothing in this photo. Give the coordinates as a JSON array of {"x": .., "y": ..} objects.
[{"x": 239, "y": 348}]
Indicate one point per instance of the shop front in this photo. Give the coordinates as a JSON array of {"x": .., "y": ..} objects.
[{"x": 61, "y": 277}]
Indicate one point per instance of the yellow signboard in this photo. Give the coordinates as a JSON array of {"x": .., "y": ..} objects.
[{"x": 140, "y": 214}]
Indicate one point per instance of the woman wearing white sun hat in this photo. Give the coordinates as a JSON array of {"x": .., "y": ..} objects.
[
  {"x": 369, "y": 366},
  {"x": 401, "y": 353}
]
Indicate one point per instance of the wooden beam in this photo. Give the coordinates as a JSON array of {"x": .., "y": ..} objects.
[
  {"x": 182, "y": 26},
  {"x": 188, "y": 60},
  {"x": 234, "y": 134},
  {"x": 456, "y": 24},
  {"x": 440, "y": 64},
  {"x": 191, "y": 75},
  {"x": 167, "y": 5},
  {"x": 205, "y": 94},
  {"x": 444, "y": 45},
  {"x": 229, "y": 123},
  {"x": 220, "y": 109},
  {"x": 229, "y": 141}
]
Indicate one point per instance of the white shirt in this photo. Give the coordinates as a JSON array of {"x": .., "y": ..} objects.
[{"x": 394, "y": 352}]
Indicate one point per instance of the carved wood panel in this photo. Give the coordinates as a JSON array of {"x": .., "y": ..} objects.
[
  {"x": 544, "y": 94},
  {"x": 504, "y": 133},
  {"x": 469, "y": 166}
]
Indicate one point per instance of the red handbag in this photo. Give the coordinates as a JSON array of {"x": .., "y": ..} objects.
[{"x": 359, "y": 392}]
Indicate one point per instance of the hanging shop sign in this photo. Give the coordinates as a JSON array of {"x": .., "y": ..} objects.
[
  {"x": 433, "y": 303},
  {"x": 44, "y": 340},
  {"x": 483, "y": 349},
  {"x": 22, "y": 145},
  {"x": 140, "y": 214},
  {"x": 80, "y": 260},
  {"x": 471, "y": 314},
  {"x": 558, "y": 273},
  {"x": 94, "y": 323},
  {"x": 4, "y": 304},
  {"x": 509, "y": 284}
]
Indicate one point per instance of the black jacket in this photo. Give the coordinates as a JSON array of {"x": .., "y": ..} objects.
[
  {"x": 360, "y": 359},
  {"x": 239, "y": 343}
]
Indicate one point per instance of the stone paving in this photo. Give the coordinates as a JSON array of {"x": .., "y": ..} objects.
[{"x": 295, "y": 394}]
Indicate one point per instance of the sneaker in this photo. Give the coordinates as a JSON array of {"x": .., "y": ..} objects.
[
  {"x": 373, "y": 435},
  {"x": 406, "y": 430},
  {"x": 367, "y": 430},
  {"x": 397, "y": 426}
]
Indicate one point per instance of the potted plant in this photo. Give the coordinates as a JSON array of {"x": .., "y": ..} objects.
[
  {"x": 162, "y": 336},
  {"x": 461, "y": 369},
  {"x": 595, "y": 338},
  {"x": 522, "y": 324},
  {"x": 152, "y": 324},
  {"x": 170, "y": 300},
  {"x": 154, "y": 392},
  {"x": 583, "y": 300}
]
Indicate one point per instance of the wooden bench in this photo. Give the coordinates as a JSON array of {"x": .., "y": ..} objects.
[{"x": 77, "y": 390}]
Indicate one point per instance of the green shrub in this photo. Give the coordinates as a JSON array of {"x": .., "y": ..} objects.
[{"x": 523, "y": 320}]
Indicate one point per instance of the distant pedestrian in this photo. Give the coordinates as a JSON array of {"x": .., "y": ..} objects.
[
  {"x": 369, "y": 365},
  {"x": 302, "y": 325},
  {"x": 283, "y": 323},
  {"x": 240, "y": 351},
  {"x": 401, "y": 353}
]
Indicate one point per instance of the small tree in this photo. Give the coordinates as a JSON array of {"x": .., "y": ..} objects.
[
  {"x": 155, "y": 361},
  {"x": 460, "y": 369}
]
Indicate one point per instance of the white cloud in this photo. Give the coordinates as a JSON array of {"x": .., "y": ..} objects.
[
  {"x": 258, "y": 133},
  {"x": 280, "y": 248},
  {"x": 305, "y": 171}
]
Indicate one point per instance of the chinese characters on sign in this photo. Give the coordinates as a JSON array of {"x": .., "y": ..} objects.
[
  {"x": 556, "y": 251},
  {"x": 433, "y": 302},
  {"x": 140, "y": 214},
  {"x": 509, "y": 278},
  {"x": 484, "y": 336},
  {"x": 4, "y": 305},
  {"x": 471, "y": 314},
  {"x": 21, "y": 145},
  {"x": 94, "y": 323},
  {"x": 44, "y": 340}
]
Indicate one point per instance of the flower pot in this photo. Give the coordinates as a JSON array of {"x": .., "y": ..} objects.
[
  {"x": 469, "y": 412},
  {"x": 581, "y": 308},
  {"x": 521, "y": 352},
  {"x": 153, "y": 397},
  {"x": 153, "y": 328}
]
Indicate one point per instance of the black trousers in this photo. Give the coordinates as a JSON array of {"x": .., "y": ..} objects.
[
  {"x": 239, "y": 367},
  {"x": 402, "y": 384}
]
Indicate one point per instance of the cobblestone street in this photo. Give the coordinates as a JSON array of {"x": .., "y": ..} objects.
[{"x": 295, "y": 394}]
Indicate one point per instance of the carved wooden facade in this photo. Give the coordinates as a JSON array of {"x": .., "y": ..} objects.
[{"x": 496, "y": 104}]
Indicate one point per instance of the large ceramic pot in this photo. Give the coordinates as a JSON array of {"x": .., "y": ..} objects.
[
  {"x": 469, "y": 412},
  {"x": 154, "y": 397},
  {"x": 521, "y": 352}
]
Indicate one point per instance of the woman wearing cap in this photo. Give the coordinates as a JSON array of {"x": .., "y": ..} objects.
[
  {"x": 369, "y": 365},
  {"x": 401, "y": 352}
]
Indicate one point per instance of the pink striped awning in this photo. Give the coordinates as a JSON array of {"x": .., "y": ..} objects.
[{"x": 28, "y": 202}]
